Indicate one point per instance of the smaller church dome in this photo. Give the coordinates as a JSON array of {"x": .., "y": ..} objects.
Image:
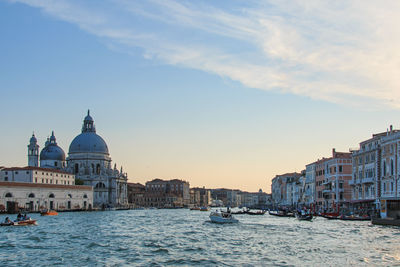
[{"x": 52, "y": 151}]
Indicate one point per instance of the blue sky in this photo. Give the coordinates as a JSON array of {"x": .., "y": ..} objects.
[{"x": 219, "y": 93}]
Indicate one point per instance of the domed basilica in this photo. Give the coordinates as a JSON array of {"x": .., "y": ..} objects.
[{"x": 89, "y": 159}]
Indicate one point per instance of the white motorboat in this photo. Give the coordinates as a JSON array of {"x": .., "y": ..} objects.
[{"x": 222, "y": 217}]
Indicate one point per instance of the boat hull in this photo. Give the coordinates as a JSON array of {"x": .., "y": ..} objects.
[
  {"x": 390, "y": 222},
  {"x": 281, "y": 215},
  {"x": 49, "y": 213},
  {"x": 218, "y": 219},
  {"x": 20, "y": 223}
]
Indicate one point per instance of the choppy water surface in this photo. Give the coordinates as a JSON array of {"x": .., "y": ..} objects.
[{"x": 184, "y": 237}]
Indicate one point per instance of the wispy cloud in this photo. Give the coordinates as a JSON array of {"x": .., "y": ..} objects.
[{"x": 344, "y": 52}]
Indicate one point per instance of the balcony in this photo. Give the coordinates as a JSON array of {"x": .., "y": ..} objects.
[
  {"x": 368, "y": 180},
  {"x": 326, "y": 191}
]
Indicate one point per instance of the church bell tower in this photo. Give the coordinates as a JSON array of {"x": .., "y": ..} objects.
[{"x": 33, "y": 152}]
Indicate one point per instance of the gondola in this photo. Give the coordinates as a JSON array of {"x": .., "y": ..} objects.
[
  {"x": 305, "y": 217},
  {"x": 259, "y": 212},
  {"x": 281, "y": 214}
]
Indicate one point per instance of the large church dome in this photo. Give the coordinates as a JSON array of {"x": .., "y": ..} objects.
[
  {"x": 88, "y": 141},
  {"x": 52, "y": 151}
]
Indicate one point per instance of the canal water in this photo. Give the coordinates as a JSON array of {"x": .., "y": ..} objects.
[{"x": 184, "y": 237}]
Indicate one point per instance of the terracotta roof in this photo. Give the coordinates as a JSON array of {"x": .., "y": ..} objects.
[
  {"x": 55, "y": 186},
  {"x": 29, "y": 168}
]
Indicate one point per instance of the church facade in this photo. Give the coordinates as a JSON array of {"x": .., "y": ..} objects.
[{"x": 89, "y": 160}]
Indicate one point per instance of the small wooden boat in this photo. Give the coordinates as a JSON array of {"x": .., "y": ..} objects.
[
  {"x": 20, "y": 223},
  {"x": 281, "y": 214},
  {"x": 304, "y": 217},
  {"x": 258, "y": 212},
  {"x": 49, "y": 213},
  {"x": 195, "y": 208},
  {"x": 331, "y": 217},
  {"x": 239, "y": 212},
  {"x": 204, "y": 209}
]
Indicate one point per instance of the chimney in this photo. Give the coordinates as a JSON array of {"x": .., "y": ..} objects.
[
  {"x": 333, "y": 151},
  {"x": 391, "y": 128}
]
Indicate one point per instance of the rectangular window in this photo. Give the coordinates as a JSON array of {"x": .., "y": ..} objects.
[
  {"x": 340, "y": 168},
  {"x": 35, "y": 180},
  {"x": 5, "y": 178}
]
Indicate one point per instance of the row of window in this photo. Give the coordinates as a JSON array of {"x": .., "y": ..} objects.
[
  {"x": 32, "y": 195},
  {"x": 43, "y": 173},
  {"x": 50, "y": 181}
]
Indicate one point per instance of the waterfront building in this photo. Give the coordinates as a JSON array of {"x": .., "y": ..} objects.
[
  {"x": 136, "y": 193},
  {"x": 281, "y": 192},
  {"x": 309, "y": 188},
  {"x": 220, "y": 196},
  {"x": 200, "y": 197},
  {"x": 90, "y": 161},
  {"x": 389, "y": 197},
  {"x": 37, "y": 196},
  {"x": 319, "y": 187},
  {"x": 366, "y": 180},
  {"x": 338, "y": 174},
  {"x": 37, "y": 175},
  {"x": 164, "y": 194}
]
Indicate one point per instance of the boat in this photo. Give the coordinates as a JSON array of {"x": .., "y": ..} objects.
[
  {"x": 239, "y": 212},
  {"x": 304, "y": 217},
  {"x": 355, "y": 218},
  {"x": 20, "y": 223},
  {"x": 195, "y": 208},
  {"x": 281, "y": 214},
  {"x": 331, "y": 217},
  {"x": 258, "y": 212},
  {"x": 222, "y": 217},
  {"x": 204, "y": 209},
  {"x": 385, "y": 221},
  {"x": 48, "y": 213}
]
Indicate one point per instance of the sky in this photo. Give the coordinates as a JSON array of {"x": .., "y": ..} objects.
[{"x": 218, "y": 93}]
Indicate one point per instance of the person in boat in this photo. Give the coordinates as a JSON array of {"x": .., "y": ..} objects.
[
  {"x": 19, "y": 217},
  {"x": 8, "y": 221}
]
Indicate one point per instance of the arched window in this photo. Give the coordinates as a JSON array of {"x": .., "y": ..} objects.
[
  {"x": 98, "y": 169},
  {"x": 100, "y": 185},
  {"x": 51, "y": 195},
  {"x": 55, "y": 163},
  {"x": 31, "y": 195},
  {"x": 76, "y": 168},
  {"x": 84, "y": 196},
  {"x": 92, "y": 168},
  {"x": 69, "y": 195},
  {"x": 9, "y": 195}
]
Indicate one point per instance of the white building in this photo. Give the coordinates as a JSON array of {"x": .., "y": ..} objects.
[
  {"x": 90, "y": 161},
  {"x": 36, "y": 175},
  {"x": 35, "y": 197},
  {"x": 309, "y": 190}
]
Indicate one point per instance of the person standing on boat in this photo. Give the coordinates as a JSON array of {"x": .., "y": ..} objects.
[{"x": 19, "y": 217}]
